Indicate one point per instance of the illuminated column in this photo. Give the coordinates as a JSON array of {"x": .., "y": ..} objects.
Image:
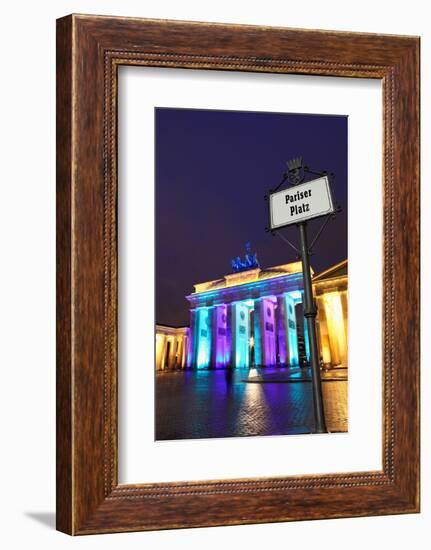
[
  {"x": 336, "y": 328},
  {"x": 292, "y": 333},
  {"x": 268, "y": 332},
  {"x": 229, "y": 359},
  {"x": 345, "y": 347},
  {"x": 184, "y": 352},
  {"x": 240, "y": 335},
  {"x": 165, "y": 358},
  {"x": 172, "y": 353},
  {"x": 212, "y": 325},
  {"x": 330, "y": 300},
  {"x": 282, "y": 333},
  {"x": 169, "y": 352},
  {"x": 192, "y": 341},
  {"x": 160, "y": 350},
  {"x": 203, "y": 337},
  {"x": 264, "y": 333},
  {"x": 323, "y": 331},
  {"x": 306, "y": 340},
  {"x": 258, "y": 350},
  {"x": 179, "y": 353},
  {"x": 219, "y": 355}
]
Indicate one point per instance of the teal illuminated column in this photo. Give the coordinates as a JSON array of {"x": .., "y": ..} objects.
[
  {"x": 184, "y": 349},
  {"x": 306, "y": 339},
  {"x": 192, "y": 341},
  {"x": 240, "y": 335},
  {"x": 258, "y": 346},
  {"x": 203, "y": 338}
]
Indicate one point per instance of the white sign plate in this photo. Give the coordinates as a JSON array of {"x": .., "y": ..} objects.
[{"x": 300, "y": 202}]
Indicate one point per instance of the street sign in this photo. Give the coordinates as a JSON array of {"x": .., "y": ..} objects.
[
  {"x": 295, "y": 205},
  {"x": 299, "y": 203}
]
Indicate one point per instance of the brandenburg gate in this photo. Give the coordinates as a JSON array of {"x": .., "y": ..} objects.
[
  {"x": 253, "y": 317},
  {"x": 248, "y": 317}
]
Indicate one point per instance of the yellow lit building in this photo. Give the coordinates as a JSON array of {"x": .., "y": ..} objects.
[
  {"x": 330, "y": 291},
  {"x": 171, "y": 347}
]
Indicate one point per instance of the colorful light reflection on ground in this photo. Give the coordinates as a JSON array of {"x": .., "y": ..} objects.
[{"x": 217, "y": 403}]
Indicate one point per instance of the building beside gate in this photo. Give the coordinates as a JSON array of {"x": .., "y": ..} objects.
[
  {"x": 171, "y": 347},
  {"x": 330, "y": 291},
  {"x": 255, "y": 317}
]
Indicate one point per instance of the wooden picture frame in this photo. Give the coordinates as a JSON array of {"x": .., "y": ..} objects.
[{"x": 89, "y": 51}]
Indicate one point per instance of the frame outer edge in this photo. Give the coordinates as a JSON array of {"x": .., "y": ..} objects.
[
  {"x": 81, "y": 506},
  {"x": 407, "y": 268},
  {"x": 64, "y": 369}
]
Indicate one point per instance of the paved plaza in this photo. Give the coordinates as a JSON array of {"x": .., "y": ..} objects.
[{"x": 221, "y": 403}]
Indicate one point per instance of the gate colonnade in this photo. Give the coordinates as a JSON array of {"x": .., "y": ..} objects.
[{"x": 246, "y": 318}]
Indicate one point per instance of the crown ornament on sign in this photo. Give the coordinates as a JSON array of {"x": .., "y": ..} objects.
[
  {"x": 294, "y": 164},
  {"x": 296, "y": 173}
]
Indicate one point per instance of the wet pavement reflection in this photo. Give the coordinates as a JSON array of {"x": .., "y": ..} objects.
[{"x": 219, "y": 403}]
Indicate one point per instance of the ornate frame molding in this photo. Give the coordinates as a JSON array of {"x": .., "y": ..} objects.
[{"x": 90, "y": 49}]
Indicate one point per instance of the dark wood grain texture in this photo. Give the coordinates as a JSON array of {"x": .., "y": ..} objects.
[
  {"x": 89, "y": 51},
  {"x": 64, "y": 286}
]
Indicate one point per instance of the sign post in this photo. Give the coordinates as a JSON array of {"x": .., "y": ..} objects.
[
  {"x": 310, "y": 313},
  {"x": 294, "y": 206}
]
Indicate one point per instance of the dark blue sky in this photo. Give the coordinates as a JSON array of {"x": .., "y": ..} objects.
[{"x": 213, "y": 169}]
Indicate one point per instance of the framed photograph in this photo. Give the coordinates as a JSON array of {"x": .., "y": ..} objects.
[{"x": 237, "y": 274}]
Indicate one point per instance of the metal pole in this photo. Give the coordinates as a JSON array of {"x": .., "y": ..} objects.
[{"x": 310, "y": 313}]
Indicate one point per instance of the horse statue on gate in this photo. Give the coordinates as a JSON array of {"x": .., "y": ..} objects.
[{"x": 250, "y": 260}]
